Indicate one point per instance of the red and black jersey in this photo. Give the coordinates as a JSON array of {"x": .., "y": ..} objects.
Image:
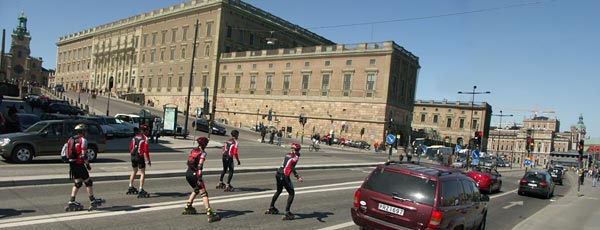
[
  {"x": 77, "y": 146},
  {"x": 289, "y": 164},
  {"x": 231, "y": 149},
  {"x": 194, "y": 158},
  {"x": 139, "y": 143}
]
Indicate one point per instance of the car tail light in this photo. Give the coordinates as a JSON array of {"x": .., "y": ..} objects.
[
  {"x": 543, "y": 184},
  {"x": 356, "y": 196},
  {"x": 523, "y": 181},
  {"x": 435, "y": 220}
]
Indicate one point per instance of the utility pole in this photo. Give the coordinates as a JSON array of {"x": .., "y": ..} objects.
[
  {"x": 472, "y": 110},
  {"x": 187, "y": 103},
  {"x": 500, "y": 126}
]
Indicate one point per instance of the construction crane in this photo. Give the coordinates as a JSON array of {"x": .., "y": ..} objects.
[{"x": 534, "y": 111}]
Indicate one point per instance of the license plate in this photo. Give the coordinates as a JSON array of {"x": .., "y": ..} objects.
[
  {"x": 391, "y": 209},
  {"x": 554, "y": 175},
  {"x": 532, "y": 185}
]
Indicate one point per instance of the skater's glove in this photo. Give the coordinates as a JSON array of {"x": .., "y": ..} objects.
[
  {"x": 300, "y": 179},
  {"x": 149, "y": 163},
  {"x": 239, "y": 163},
  {"x": 88, "y": 166}
]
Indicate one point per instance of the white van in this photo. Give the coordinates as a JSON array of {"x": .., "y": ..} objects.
[
  {"x": 435, "y": 151},
  {"x": 132, "y": 119}
]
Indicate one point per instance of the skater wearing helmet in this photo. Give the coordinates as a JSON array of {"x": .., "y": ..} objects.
[
  {"x": 74, "y": 151},
  {"x": 283, "y": 181},
  {"x": 230, "y": 150},
  {"x": 138, "y": 148},
  {"x": 193, "y": 175}
]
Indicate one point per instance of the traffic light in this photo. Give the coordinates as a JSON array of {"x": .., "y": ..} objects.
[
  {"x": 531, "y": 144},
  {"x": 478, "y": 137},
  {"x": 362, "y": 132},
  {"x": 528, "y": 144},
  {"x": 580, "y": 147}
]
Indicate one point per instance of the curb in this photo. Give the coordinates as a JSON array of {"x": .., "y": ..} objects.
[{"x": 54, "y": 179}]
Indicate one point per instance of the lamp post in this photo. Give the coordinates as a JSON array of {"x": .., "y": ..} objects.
[
  {"x": 500, "y": 126},
  {"x": 472, "y": 110},
  {"x": 256, "y": 124},
  {"x": 187, "y": 102}
]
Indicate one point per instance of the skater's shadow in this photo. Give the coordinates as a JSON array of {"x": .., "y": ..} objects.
[
  {"x": 317, "y": 215},
  {"x": 169, "y": 194},
  {"x": 126, "y": 208},
  {"x": 251, "y": 189},
  {"x": 12, "y": 212},
  {"x": 232, "y": 213}
]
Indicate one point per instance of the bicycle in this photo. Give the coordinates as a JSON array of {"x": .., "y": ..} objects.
[{"x": 314, "y": 146}]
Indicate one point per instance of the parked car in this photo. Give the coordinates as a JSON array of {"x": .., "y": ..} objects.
[
  {"x": 459, "y": 163},
  {"x": 536, "y": 182},
  {"x": 46, "y": 138},
  {"x": 487, "y": 179},
  {"x": 109, "y": 130},
  {"x": 59, "y": 88},
  {"x": 27, "y": 119},
  {"x": 358, "y": 144},
  {"x": 64, "y": 109},
  {"x": 55, "y": 116},
  {"x": 418, "y": 196},
  {"x": 557, "y": 174},
  {"x": 202, "y": 125},
  {"x": 130, "y": 118},
  {"x": 121, "y": 130}
]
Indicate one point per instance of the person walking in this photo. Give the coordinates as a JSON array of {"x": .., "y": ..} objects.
[
  {"x": 282, "y": 178},
  {"x": 156, "y": 130},
  {"x": 74, "y": 152},
  {"x": 230, "y": 150},
  {"x": 263, "y": 133},
  {"x": 272, "y": 136},
  {"x": 193, "y": 175},
  {"x": 279, "y": 136},
  {"x": 138, "y": 148}
]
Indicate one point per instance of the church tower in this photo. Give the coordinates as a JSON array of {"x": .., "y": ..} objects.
[{"x": 21, "y": 66}]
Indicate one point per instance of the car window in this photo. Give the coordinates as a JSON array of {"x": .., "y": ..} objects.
[
  {"x": 534, "y": 176},
  {"x": 111, "y": 120},
  {"x": 420, "y": 190},
  {"x": 36, "y": 127},
  {"x": 451, "y": 193},
  {"x": 93, "y": 130},
  {"x": 55, "y": 130},
  {"x": 468, "y": 191}
]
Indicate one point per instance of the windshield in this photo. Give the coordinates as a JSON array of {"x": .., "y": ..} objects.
[
  {"x": 111, "y": 120},
  {"x": 421, "y": 190},
  {"x": 36, "y": 127}
]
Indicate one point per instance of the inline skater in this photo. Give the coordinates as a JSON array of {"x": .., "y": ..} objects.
[
  {"x": 193, "y": 175},
  {"x": 230, "y": 150},
  {"x": 283, "y": 181},
  {"x": 74, "y": 152},
  {"x": 138, "y": 148}
]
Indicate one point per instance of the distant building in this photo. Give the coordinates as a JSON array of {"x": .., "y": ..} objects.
[
  {"x": 451, "y": 122},
  {"x": 18, "y": 65}
]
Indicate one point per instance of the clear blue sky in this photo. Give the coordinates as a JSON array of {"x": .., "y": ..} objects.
[{"x": 531, "y": 55}]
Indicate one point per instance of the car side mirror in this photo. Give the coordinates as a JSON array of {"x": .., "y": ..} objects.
[{"x": 485, "y": 197}]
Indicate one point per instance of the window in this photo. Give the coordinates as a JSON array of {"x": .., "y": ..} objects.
[
  {"x": 325, "y": 85},
  {"x": 204, "y": 80},
  {"x": 207, "y": 51},
  {"x": 435, "y": 118},
  {"x": 238, "y": 81},
  {"x": 162, "y": 55},
  {"x": 286, "y": 83},
  {"x": 251, "y": 39},
  {"x": 164, "y": 37},
  {"x": 348, "y": 62},
  {"x": 252, "y": 83},
  {"x": 305, "y": 79},
  {"x": 183, "y": 53},
  {"x": 184, "y": 33},
  {"x": 404, "y": 185},
  {"x": 208, "y": 29},
  {"x": 269, "y": 83},
  {"x": 149, "y": 83},
  {"x": 462, "y": 123},
  {"x": 169, "y": 80},
  {"x": 346, "y": 86},
  {"x": 179, "y": 82},
  {"x": 158, "y": 84},
  {"x": 173, "y": 35},
  {"x": 152, "y": 56},
  {"x": 474, "y": 124},
  {"x": 372, "y": 62},
  {"x": 327, "y": 63},
  {"x": 153, "y": 38},
  {"x": 451, "y": 193},
  {"x": 449, "y": 123},
  {"x": 229, "y": 29},
  {"x": 145, "y": 40},
  {"x": 241, "y": 35},
  {"x": 306, "y": 64},
  {"x": 370, "y": 84},
  {"x": 223, "y": 83},
  {"x": 422, "y": 118},
  {"x": 172, "y": 56}
]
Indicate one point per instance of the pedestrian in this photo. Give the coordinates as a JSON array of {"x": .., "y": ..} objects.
[
  {"x": 279, "y": 135},
  {"x": 409, "y": 152},
  {"x": 193, "y": 175},
  {"x": 331, "y": 135},
  {"x": 419, "y": 152},
  {"x": 594, "y": 177},
  {"x": 376, "y": 146},
  {"x": 263, "y": 133},
  {"x": 11, "y": 123},
  {"x": 74, "y": 152},
  {"x": 282, "y": 178},
  {"x": 230, "y": 150},
  {"x": 156, "y": 129},
  {"x": 138, "y": 148},
  {"x": 342, "y": 142},
  {"x": 271, "y": 136}
]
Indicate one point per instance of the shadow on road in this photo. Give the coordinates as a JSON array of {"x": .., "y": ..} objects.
[
  {"x": 251, "y": 189},
  {"x": 59, "y": 161},
  {"x": 12, "y": 212},
  {"x": 317, "y": 215},
  {"x": 124, "y": 208},
  {"x": 170, "y": 194},
  {"x": 232, "y": 213}
]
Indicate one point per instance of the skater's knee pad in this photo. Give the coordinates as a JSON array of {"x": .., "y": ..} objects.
[
  {"x": 203, "y": 193},
  {"x": 78, "y": 184},
  {"x": 89, "y": 183},
  {"x": 196, "y": 191}
]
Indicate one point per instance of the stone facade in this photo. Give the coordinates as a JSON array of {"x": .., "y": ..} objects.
[
  {"x": 18, "y": 65},
  {"x": 452, "y": 122},
  {"x": 151, "y": 53}
]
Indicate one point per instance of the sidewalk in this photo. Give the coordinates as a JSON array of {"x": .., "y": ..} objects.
[{"x": 572, "y": 211}]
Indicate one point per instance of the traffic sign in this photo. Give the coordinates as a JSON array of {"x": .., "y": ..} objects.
[
  {"x": 390, "y": 139},
  {"x": 475, "y": 154},
  {"x": 475, "y": 161},
  {"x": 527, "y": 163},
  {"x": 457, "y": 148}
]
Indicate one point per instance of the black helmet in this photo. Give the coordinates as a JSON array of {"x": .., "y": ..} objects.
[{"x": 235, "y": 133}]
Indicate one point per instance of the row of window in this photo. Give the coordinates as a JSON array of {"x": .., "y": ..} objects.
[
  {"x": 152, "y": 39},
  {"x": 162, "y": 55},
  {"x": 461, "y": 123},
  {"x": 75, "y": 54}
]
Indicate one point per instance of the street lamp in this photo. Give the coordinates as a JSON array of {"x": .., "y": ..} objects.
[
  {"x": 256, "y": 124},
  {"x": 500, "y": 126},
  {"x": 472, "y": 109}
]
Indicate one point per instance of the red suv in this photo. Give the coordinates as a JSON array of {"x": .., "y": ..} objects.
[{"x": 418, "y": 196}]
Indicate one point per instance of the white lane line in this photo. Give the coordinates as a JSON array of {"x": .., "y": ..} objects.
[{"x": 25, "y": 221}]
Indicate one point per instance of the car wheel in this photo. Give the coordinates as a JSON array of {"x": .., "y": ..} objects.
[
  {"x": 22, "y": 154},
  {"x": 92, "y": 153},
  {"x": 482, "y": 225},
  {"x": 499, "y": 187},
  {"x": 520, "y": 193}
]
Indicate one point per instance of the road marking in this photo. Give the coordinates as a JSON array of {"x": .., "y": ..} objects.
[
  {"x": 512, "y": 204},
  {"x": 69, "y": 216},
  {"x": 338, "y": 226},
  {"x": 504, "y": 194}
]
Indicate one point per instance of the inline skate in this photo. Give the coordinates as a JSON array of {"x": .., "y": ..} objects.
[
  {"x": 212, "y": 217},
  {"x": 95, "y": 204},
  {"x": 143, "y": 194},
  {"x": 288, "y": 216},
  {"x": 272, "y": 211},
  {"x": 132, "y": 190},
  {"x": 73, "y": 206},
  {"x": 221, "y": 186},
  {"x": 189, "y": 210}
]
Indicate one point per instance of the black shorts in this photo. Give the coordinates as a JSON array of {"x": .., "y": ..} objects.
[
  {"x": 79, "y": 171},
  {"x": 138, "y": 162},
  {"x": 193, "y": 180}
]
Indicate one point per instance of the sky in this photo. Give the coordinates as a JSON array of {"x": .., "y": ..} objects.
[{"x": 530, "y": 54}]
